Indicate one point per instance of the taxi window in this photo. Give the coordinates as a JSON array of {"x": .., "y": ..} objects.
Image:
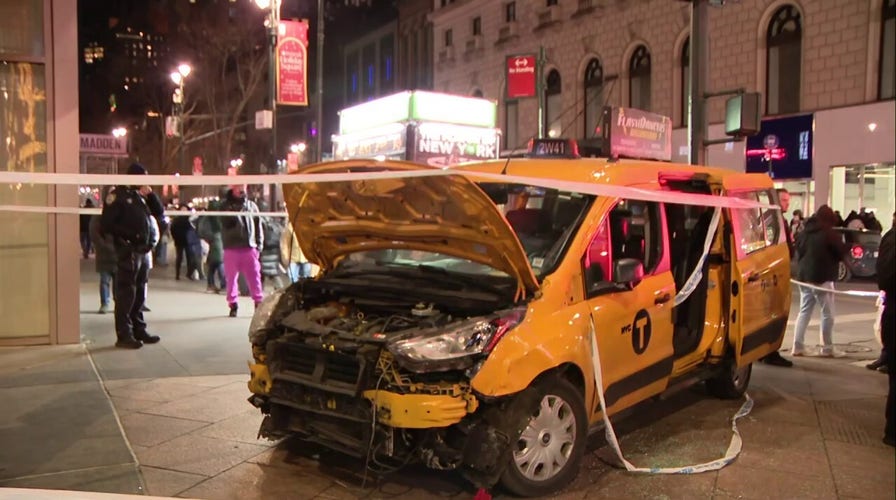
[
  {"x": 631, "y": 230},
  {"x": 755, "y": 228}
]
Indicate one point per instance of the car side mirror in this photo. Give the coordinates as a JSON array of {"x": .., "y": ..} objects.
[{"x": 628, "y": 272}]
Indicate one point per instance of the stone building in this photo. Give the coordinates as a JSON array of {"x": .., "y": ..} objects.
[{"x": 831, "y": 59}]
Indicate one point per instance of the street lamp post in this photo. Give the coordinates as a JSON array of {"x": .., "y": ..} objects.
[
  {"x": 179, "y": 77},
  {"x": 273, "y": 25},
  {"x": 319, "y": 106}
]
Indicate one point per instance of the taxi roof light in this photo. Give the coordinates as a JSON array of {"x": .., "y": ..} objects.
[{"x": 553, "y": 148}]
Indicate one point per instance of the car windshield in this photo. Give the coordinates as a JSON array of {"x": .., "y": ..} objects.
[
  {"x": 862, "y": 237},
  {"x": 544, "y": 220}
]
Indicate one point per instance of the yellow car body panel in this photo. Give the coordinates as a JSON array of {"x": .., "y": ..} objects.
[{"x": 420, "y": 411}]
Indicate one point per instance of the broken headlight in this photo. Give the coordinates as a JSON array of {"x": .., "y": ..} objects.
[{"x": 454, "y": 348}]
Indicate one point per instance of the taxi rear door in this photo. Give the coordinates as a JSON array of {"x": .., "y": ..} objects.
[{"x": 760, "y": 270}]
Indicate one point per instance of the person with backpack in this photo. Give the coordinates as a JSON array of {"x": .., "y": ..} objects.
[
  {"x": 242, "y": 238},
  {"x": 127, "y": 218},
  {"x": 210, "y": 232}
]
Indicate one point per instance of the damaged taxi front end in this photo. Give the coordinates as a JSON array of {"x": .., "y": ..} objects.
[{"x": 421, "y": 278}]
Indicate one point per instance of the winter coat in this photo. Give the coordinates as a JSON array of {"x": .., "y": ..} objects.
[
  {"x": 210, "y": 231},
  {"x": 104, "y": 246},
  {"x": 820, "y": 248},
  {"x": 180, "y": 227},
  {"x": 886, "y": 266},
  {"x": 290, "y": 251},
  {"x": 242, "y": 230},
  {"x": 270, "y": 254}
]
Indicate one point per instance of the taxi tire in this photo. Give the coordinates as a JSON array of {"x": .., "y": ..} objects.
[
  {"x": 514, "y": 481},
  {"x": 730, "y": 382},
  {"x": 843, "y": 272}
]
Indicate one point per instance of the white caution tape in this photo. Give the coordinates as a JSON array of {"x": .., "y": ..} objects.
[
  {"x": 734, "y": 447},
  {"x": 697, "y": 274},
  {"x": 609, "y": 190},
  {"x": 852, "y": 293},
  {"x": 98, "y": 211}
]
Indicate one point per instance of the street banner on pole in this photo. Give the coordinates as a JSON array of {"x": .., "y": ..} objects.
[
  {"x": 197, "y": 165},
  {"x": 292, "y": 63},
  {"x": 521, "y": 76}
]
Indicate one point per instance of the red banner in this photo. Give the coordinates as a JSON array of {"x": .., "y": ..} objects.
[
  {"x": 292, "y": 63},
  {"x": 521, "y": 71}
]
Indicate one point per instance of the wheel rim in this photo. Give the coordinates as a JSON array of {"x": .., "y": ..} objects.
[
  {"x": 841, "y": 271},
  {"x": 740, "y": 376},
  {"x": 546, "y": 444}
]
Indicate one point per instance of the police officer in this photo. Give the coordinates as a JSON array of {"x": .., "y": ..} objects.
[{"x": 127, "y": 217}]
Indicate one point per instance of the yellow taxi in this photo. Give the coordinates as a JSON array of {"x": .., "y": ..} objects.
[{"x": 456, "y": 315}]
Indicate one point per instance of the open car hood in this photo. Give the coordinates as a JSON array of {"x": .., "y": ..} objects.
[{"x": 448, "y": 214}]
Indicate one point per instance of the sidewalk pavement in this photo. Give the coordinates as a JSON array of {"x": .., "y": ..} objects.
[{"x": 172, "y": 419}]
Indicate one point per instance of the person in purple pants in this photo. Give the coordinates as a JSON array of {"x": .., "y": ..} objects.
[{"x": 242, "y": 239}]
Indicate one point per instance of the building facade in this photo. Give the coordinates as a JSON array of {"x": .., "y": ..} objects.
[
  {"x": 370, "y": 65},
  {"x": 415, "y": 45},
  {"x": 828, "y": 58},
  {"x": 39, "y": 123}
]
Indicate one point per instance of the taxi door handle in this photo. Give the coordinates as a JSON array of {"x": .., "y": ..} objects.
[
  {"x": 662, "y": 299},
  {"x": 753, "y": 277}
]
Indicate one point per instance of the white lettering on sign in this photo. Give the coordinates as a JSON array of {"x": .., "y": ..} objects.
[
  {"x": 103, "y": 144},
  {"x": 469, "y": 141},
  {"x": 553, "y": 148}
]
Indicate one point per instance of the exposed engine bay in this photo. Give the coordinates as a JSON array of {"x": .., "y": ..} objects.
[{"x": 381, "y": 371}]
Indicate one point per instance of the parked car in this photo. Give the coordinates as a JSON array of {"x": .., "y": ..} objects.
[{"x": 861, "y": 260}]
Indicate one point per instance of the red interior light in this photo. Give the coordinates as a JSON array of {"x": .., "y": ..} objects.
[{"x": 857, "y": 252}]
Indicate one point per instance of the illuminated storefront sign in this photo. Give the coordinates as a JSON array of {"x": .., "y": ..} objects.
[
  {"x": 783, "y": 148},
  {"x": 419, "y": 106},
  {"x": 444, "y": 145},
  {"x": 387, "y": 141},
  {"x": 104, "y": 145}
]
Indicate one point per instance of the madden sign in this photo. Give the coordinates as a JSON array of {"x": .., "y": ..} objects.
[
  {"x": 521, "y": 71},
  {"x": 104, "y": 145}
]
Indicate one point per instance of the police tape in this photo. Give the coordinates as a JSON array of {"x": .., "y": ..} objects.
[
  {"x": 593, "y": 188},
  {"x": 734, "y": 446},
  {"x": 98, "y": 211},
  {"x": 852, "y": 293}
]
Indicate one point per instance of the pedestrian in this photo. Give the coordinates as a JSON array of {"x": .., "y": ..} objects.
[
  {"x": 294, "y": 259},
  {"x": 775, "y": 358},
  {"x": 886, "y": 281},
  {"x": 160, "y": 253},
  {"x": 242, "y": 237},
  {"x": 209, "y": 229},
  {"x": 194, "y": 251},
  {"x": 797, "y": 223},
  {"x": 185, "y": 240},
  {"x": 84, "y": 224},
  {"x": 880, "y": 364},
  {"x": 270, "y": 254},
  {"x": 127, "y": 219},
  {"x": 820, "y": 249},
  {"x": 104, "y": 249}
]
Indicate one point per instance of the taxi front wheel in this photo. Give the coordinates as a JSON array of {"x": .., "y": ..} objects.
[
  {"x": 547, "y": 454},
  {"x": 731, "y": 382}
]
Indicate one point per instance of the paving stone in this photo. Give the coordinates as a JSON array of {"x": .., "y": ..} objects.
[
  {"x": 150, "y": 430},
  {"x": 202, "y": 407},
  {"x": 122, "y": 478},
  {"x": 166, "y": 483},
  {"x": 159, "y": 390},
  {"x": 741, "y": 481},
  {"x": 774, "y": 447},
  {"x": 241, "y": 427},
  {"x": 125, "y": 406},
  {"x": 198, "y": 455},
  {"x": 258, "y": 481}
]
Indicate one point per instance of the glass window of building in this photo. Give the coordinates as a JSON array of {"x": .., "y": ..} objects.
[
  {"x": 449, "y": 38},
  {"x": 477, "y": 26},
  {"x": 639, "y": 79},
  {"x": 368, "y": 59},
  {"x": 387, "y": 64},
  {"x": 594, "y": 85},
  {"x": 887, "y": 84},
  {"x": 685, "y": 80},
  {"x": 552, "y": 99},
  {"x": 25, "y": 250},
  {"x": 510, "y": 12},
  {"x": 511, "y": 125},
  {"x": 783, "y": 61}
]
